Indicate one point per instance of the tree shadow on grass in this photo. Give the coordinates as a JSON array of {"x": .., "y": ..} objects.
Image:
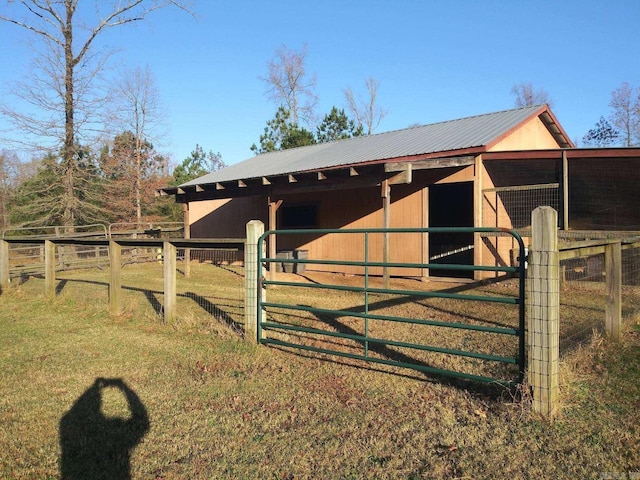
[{"x": 94, "y": 446}]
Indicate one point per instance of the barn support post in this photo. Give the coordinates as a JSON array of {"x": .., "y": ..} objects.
[
  {"x": 187, "y": 234},
  {"x": 4, "y": 265},
  {"x": 115, "y": 282},
  {"x": 273, "y": 211},
  {"x": 613, "y": 309},
  {"x": 255, "y": 229},
  {"x": 544, "y": 311},
  {"x": 386, "y": 215},
  {"x": 565, "y": 191},
  {"x": 169, "y": 264},
  {"x": 477, "y": 214}
]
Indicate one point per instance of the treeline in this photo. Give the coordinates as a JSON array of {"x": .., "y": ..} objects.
[{"x": 115, "y": 183}]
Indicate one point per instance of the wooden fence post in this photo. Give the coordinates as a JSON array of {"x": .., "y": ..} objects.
[
  {"x": 169, "y": 255},
  {"x": 544, "y": 311},
  {"x": 255, "y": 228},
  {"x": 4, "y": 265},
  {"x": 49, "y": 268},
  {"x": 613, "y": 310},
  {"x": 115, "y": 281}
]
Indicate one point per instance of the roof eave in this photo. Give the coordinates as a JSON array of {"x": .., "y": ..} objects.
[{"x": 550, "y": 122}]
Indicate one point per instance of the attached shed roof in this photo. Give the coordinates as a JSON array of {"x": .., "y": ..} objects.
[
  {"x": 437, "y": 141},
  {"x": 450, "y": 136}
]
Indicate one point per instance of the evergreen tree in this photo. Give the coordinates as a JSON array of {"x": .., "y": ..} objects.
[
  {"x": 281, "y": 133},
  {"x": 602, "y": 135},
  {"x": 41, "y": 199},
  {"x": 133, "y": 170},
  {"x": 196, "y": 165},
  {"x": 336, "y": 125}
]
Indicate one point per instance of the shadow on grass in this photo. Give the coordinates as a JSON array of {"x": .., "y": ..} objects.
[
  {"x": 214, "y": 310},
  {"x": 492, "y": 391},
  {"x": 153, "y": 297},
  {"x": 395, "y": 355},
  {"x": 96, "y": 446}
]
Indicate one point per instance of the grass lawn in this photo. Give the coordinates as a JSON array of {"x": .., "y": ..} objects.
[{"x": 193, "y": 400}]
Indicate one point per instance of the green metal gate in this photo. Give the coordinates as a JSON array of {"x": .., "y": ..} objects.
[{"x": 330, "y": 325}]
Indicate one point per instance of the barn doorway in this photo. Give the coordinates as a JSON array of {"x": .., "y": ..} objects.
[{"x": 451, "y": 205}]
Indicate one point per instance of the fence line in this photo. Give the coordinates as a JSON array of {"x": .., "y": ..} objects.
[
  {"x": 544, "y": 280},
  {"x": 165, "y": 250}
]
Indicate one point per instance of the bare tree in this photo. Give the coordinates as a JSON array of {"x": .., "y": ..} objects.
[
  {"x": 625, "y": 115},
  {"x": 366, "y": 111},
  {"x": 526, "y": 94},
  {"x": 138, "y": 109},
  {"x": 67, "y": 69},
  {"x": 289, "y": 84}
]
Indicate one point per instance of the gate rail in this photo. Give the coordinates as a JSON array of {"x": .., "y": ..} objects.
[{"x": 264, "y": 325}]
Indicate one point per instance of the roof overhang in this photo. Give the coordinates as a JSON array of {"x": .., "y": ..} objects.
[
  {"x": 362, "y": 175},
  {"x": 549, "y": 120}
]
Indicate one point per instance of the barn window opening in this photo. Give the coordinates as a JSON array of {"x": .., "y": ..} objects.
[{"x": 299, "y": 216}]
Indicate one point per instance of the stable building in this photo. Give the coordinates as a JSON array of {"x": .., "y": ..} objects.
[{"x": 488, "y": 170}]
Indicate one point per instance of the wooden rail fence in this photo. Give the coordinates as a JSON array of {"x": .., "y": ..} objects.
[
  {"x": 167, "y": 247},
  {"x": 543, "y": 285}
]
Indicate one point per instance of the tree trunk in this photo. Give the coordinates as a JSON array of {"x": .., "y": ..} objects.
[{"x": 69, "y": 127}]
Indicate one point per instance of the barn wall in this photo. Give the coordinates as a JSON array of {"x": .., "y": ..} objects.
[
  {"x": 361, "y": 208},
  {"x": 339, "y": 209},
  {"x": 225, "y": 218}
]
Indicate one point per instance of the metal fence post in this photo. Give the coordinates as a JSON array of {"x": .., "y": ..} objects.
[
  {"x": 544, "y": 311},
  {"x": 255, "y": 228},
  {"x": 4, "y": 265},
  {"x": 115, "y": 282},
  {"x": 613, "y": 268},
  {"x": 169, "y": 281}
]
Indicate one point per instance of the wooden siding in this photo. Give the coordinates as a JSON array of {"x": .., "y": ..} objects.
[
  {"x": 361, "y": 208},
  {"x": 533, "y": 135},
  {"x": 225, "y": 218},
  {"x": 339, "y": 209}
]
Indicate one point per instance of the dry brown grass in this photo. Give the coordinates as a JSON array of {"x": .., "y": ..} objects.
[{"x": 222, "y": 408}]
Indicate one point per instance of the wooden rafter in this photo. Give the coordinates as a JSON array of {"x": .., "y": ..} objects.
[{"x": 461, "y": 161}]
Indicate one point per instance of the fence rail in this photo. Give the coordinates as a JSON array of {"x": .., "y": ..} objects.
[
  {"x": 375, "y": 348},
  {"x": 165, "y": 250}
]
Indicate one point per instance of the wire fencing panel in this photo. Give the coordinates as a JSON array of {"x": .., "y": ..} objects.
[
  {"x": 583, "y": 291},
  {"x": 210, "y": 291},
  {"x": 211, "y": 298},
  {"x": 511, "y": 207}
]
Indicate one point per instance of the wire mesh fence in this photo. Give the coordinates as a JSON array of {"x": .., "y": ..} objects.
[
  {"x": 584, "y": 291},
  {"x": 512, "y": 206},
  {"x": 28, "y": 258},
  {"x": 209, "y": 291}
]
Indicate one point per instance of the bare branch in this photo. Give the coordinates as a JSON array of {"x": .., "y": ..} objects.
[
  {"x": 526, "y": 94},
  {"x": 367, "y": 112},
  {"x": 288, "y": 84},
  {"x": 29, "y": 27}
]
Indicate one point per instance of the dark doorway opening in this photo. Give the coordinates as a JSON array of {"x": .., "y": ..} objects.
[{"x": 451, "y": 205}]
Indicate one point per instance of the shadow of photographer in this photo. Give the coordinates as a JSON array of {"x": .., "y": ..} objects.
[{"x": 95, "y": 446}]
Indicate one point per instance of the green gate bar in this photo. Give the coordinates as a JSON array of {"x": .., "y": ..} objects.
[{"x": 365, "y": 339}]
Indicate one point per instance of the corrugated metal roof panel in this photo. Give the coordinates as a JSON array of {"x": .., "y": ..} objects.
[{"x": 446, "y": 136}]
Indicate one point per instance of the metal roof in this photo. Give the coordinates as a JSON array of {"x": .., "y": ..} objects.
[{"x": 449, "y": 136}]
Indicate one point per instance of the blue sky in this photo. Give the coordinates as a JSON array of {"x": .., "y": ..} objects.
[{"x": 435, "y": 60}]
